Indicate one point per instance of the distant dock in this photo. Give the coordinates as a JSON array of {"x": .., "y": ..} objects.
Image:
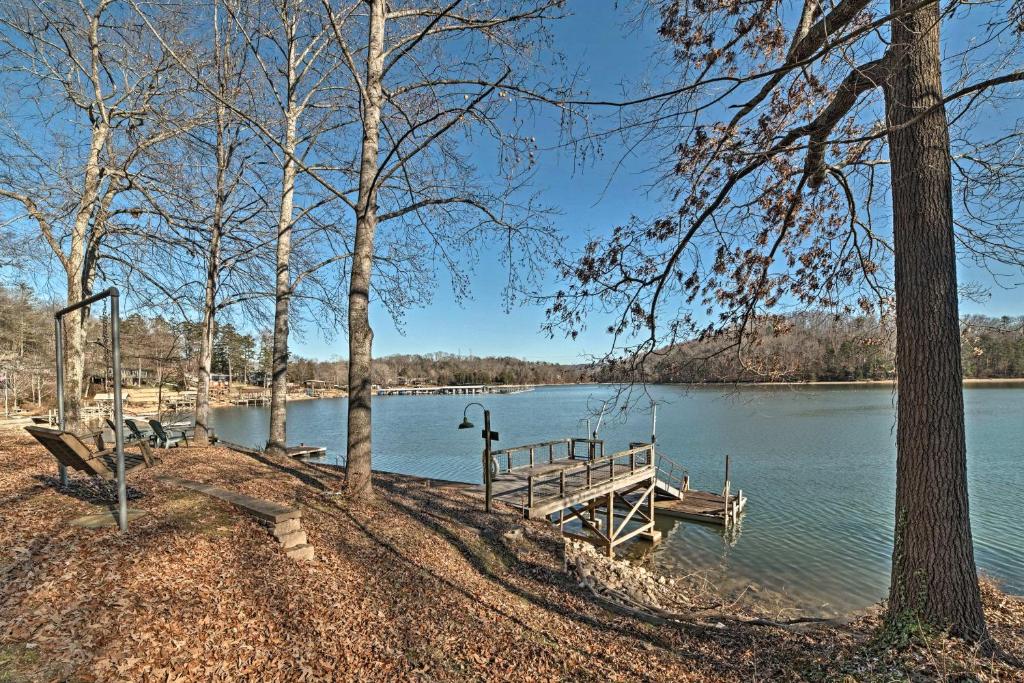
[{"x": 454, "y": 390}]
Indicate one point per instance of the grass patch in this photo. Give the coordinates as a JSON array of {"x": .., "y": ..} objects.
[
  {"x": 198, "y": 514},
  {"x": 18, "y": 663}
]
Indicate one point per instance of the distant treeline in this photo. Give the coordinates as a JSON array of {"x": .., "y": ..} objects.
[
  {"x": 804, "y": 347},
  {"x": 823, "y": 347},
  {"x": 443, "y": 369}
]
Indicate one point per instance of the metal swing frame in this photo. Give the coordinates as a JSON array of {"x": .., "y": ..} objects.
[{"x": 115, "y": 353}]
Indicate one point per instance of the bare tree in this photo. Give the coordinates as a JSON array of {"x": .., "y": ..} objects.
[
  {"x": 783, "y": 132},
  {"x": 295, "y": 113},
  {"x": 97, "y": 85},
  {"x": 288, "y": 41},
  {"x": 429, "y": 77},
  {"x": 229, "y": 198}
]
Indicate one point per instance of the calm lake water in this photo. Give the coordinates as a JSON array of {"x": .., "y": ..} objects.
[{"x": 816, "y": 462}]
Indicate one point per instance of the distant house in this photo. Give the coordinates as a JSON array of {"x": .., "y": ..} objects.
[{"x": 129, "y": 376}]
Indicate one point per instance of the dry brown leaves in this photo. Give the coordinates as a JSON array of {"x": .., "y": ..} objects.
[{"x": 418, "y": 584}]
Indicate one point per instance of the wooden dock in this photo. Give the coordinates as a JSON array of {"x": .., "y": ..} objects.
[
  {"x": 573, "y": 479},
  {"x": 304, "y": 451},
  {"x": 567, "y": 489},
  {"x": 251, "y": 399}
]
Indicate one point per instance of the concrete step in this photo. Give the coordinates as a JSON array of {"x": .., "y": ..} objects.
[
  {"x": 293, "y": 539},
  {"x": 300, "y": 552},
  {"x": 286, "y": 527}
]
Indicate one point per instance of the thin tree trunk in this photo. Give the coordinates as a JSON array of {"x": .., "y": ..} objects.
[
  {"x": 934, "y": 578},
  {"x": 360, "y": 344},
  {"x": 202, "y": 431},
  {"x": 277, "y": 444}
]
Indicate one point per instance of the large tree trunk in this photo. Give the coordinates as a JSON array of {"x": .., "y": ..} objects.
[
  {"x": 277, "y": 444},
  {"x": 202, "y": 431},
  {"x": 80, "y": 271},
  {"x": 360, "y": 335},
  {"x": 934, "y": 579}
]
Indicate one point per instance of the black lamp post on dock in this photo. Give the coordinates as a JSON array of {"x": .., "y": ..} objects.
[{"x": 488, "y": 437}]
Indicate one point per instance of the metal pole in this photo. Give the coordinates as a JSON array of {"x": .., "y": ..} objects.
[
  {"x": 654, "y": 422},
  {"x": 122, "y": 487},
  {"x": 487, "y": 460},
  {"x": 58, "y": 326}
]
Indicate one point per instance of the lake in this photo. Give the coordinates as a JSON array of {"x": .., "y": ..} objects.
[{"x": 817, "y": 463}]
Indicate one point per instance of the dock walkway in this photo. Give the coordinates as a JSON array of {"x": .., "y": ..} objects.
[
  {"x": 573, "y": 479},
  {"x": 565, "y": 489}
]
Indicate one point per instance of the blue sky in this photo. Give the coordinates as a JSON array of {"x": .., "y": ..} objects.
[{"x": 592, "y": 198}]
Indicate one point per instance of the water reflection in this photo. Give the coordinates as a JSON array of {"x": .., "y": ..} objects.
[{"x": 816, "y": 463}]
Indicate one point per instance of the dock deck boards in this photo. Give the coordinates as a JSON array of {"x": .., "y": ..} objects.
[
  {"x": 306, "y": 451},
  {"x": 511, "y": 487},
  {"x": 700, "y": 506}
]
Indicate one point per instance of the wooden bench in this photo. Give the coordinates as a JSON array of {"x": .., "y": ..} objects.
[{"x": 285, "y": 521}]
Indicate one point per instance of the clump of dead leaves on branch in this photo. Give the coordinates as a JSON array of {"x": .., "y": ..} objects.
[{"x": 417, "y": 584}]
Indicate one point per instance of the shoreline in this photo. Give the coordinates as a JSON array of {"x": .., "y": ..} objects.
[{"x": 447, "y": 591}]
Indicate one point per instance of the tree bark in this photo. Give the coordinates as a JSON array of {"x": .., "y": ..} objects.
[
  {"x": 934, "y": 579},
  {"x": 277, "y": 445},
  {"x": 79, "y": 270},
  {"x": 360, "y": 344},
  {"x": 202, "y": 431}
]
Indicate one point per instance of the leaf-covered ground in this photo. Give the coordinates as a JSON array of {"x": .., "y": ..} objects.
[{"x": 418, "y": 584}]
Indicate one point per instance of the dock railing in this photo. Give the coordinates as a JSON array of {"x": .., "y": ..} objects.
[
  {"x": 514, "y": 458},
  {"x": 529, "y": 455},
  {"x": 551, "y": 489},
  {"x": 672, "y": 473}
]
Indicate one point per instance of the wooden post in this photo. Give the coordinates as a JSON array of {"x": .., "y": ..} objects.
[
  {"x": 529, "y": 491},
  {"x": 610, "y": 529},
  {"x": 531, "y": 457},
  {"x": 487, "y": 460},
  {"x": 650, "y": 508},
  {"x": 589, "y": 475},
  {"x": 508, "y": 456}
]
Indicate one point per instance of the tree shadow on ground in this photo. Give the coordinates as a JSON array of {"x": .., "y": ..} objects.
[
  {"x": 304, "y": 477},
  {"x": 481, "y": 559},
  {"x": 433, "y": 511},
  {"x": 92, "y": 490}
]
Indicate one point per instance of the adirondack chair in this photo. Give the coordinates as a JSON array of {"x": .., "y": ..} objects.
[
  {"x": 165, "y": 440},
  {"x": 138, "y": 434},
  {"x": 129, "y": 437},
  {"x": 71, "y": 451}
]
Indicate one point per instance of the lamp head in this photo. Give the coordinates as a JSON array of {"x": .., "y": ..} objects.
[{"x": 465, "y": 424}]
